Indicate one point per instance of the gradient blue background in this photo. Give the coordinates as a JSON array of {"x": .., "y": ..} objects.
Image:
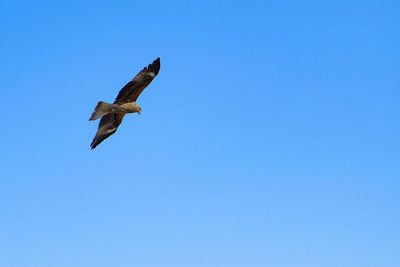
[{"x": 269, "y": 138}]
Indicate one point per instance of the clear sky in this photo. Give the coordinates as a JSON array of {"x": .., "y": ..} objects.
[{"x": 270, "y": 136}]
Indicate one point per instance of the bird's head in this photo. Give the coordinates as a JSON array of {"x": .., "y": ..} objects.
[{"x": 137, "y": 108}]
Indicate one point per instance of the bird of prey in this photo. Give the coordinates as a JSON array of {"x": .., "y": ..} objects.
[{"x": 112, "y": 114}]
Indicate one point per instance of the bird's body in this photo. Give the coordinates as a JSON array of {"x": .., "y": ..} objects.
[
  {"x": 130, "y": 107},
  {"x": 104, "y": 108},
  {"x": 112, "y": 114}
]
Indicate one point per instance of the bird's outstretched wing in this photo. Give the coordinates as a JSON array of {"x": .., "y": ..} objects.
[
  {"x": 108, "y": 125},
  {"x": 131, "y": 91}
]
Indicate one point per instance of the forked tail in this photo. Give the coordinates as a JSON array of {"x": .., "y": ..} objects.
[{"x": 101, "y": 109}]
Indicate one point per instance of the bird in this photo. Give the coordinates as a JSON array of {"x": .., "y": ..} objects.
[{"x": 112, "y": 114}]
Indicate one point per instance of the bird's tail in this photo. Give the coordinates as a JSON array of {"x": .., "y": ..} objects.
[{"x": 101, "y": 109}]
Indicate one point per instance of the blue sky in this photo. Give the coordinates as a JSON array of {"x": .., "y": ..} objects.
[{"x": 270, "y": 136}]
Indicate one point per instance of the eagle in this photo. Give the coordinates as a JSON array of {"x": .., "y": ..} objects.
[{"x": 112, "y": 114}]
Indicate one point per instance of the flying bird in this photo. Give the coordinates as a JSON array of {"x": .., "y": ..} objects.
[{"x": 112, "y": 114}]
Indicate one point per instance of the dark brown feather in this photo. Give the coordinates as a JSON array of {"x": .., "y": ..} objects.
[
  {"x": 131, "y": 91},
  {"x": 108, "y": 125}
]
